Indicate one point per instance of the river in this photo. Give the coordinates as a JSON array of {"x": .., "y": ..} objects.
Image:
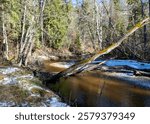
[
  {"x": 19, "y": 87},
  {"x": 103, "y": 89}
]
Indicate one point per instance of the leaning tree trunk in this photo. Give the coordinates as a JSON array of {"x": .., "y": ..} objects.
[
  {"x": 81, "y": 65},
  {"x": 27, "y": 44}
]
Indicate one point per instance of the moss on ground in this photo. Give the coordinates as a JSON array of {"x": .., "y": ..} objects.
[
  {"x": 2, "y": 77},
  {"x": 42, "y": 92},
  {"x": 13, "y": 93}
]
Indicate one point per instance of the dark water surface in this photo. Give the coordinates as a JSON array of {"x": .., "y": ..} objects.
[{"x": 104, "y": 89}]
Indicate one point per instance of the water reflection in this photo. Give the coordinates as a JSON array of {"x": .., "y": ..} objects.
[
  {"x": 101, "y": 89},
  {"x": 98, "y": 89}
]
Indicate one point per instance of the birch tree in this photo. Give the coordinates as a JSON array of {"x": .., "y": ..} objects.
[
  {"x": 28, "y": 26},
  {"x": 5, "y": 48}
]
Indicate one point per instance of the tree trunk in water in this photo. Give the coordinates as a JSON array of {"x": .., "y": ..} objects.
[{"x": 81, "y": 65}]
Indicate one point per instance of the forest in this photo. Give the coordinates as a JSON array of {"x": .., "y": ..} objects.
[
  {"x": 76, "y": 26},
  {"x": 59, "y": 44}
]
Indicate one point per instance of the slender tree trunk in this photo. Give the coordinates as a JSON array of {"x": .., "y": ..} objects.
[
  {"x": 92, "y": 36},
  {"x": 28, "y": 30},
  {"x": 42, "y": 6},
  {"x": 23, "y": 23},
  {"x": 149, "y": 8},
  {"x": 5, "y": 41},
  {"x": 26, "y": 46},
  {"x": 98, "y": 19},
  {"x": 28, "y": 52},
  {"x": 144, "y": 30}
]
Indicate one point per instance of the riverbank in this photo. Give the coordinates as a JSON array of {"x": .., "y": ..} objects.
[
  {"x": 23, "y": 87},
  {"x": 19, "y": 87}
]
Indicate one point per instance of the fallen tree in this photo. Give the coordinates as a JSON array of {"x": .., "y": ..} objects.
[{"x": 80, "y": 66}]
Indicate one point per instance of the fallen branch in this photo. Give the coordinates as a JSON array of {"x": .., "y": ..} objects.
[{"x": 80, "y": 65}]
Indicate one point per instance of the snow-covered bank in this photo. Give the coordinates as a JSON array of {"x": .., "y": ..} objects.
[
  {"x": 129, "y": 78},
  {"x": 130, "y": 63},
  {"x": 21, "y": 88}
]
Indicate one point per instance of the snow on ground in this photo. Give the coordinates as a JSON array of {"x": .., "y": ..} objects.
[
  {"x": 8, "y": 80},
  {"x": 24, "y": 82},
  {"x": 130, "y": 63},
  {"x": 8, "y": 70},
  {"x": 55, "y": 102},
  {"x": 7, "y": 104},
  {"x": 141, "y": 81}
]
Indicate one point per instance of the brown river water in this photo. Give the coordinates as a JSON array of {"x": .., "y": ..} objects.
[{"x": 103, "y": 89}]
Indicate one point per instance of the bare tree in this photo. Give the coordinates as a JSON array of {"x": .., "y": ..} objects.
[
  {"x": 144, "y": 29},
  {"x": 5, "y": 41},
  {"x": 41, "y": 7},
  {"x": 28, "y": 31},
  {"x": 98, "y": 21}
]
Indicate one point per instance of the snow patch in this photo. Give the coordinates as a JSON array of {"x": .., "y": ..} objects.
[
  {"x": 9, "y": 81},
  {"x": 13, "y": 80},
  {"x": 54, "y": 102},
  {"x": 130, "y": 63},
  {"x": 142, "y": 82},
  {"x": 9, "y": 70},
  {"x": 27, "y": 76},
  {"x": 16, "y": 80},
  {"x": 7, "y": 104}
]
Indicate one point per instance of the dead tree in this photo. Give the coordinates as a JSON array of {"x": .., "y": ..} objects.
[{"x": 78, "y": 67}]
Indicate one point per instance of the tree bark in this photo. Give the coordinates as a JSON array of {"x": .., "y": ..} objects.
[
  {"x": 41, "y": 6},
  {"x": 98, "y": 21},
  {"x": 23, "y": 23},
  {"x": 5, "y": 41},
  {"x": 26, "y": 43},
  {"x": 81, "y": 65},
  {"x": 144, "y": 30}
]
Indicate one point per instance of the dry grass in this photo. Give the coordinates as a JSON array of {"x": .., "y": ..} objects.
[{"x": 12, "y": 93}]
